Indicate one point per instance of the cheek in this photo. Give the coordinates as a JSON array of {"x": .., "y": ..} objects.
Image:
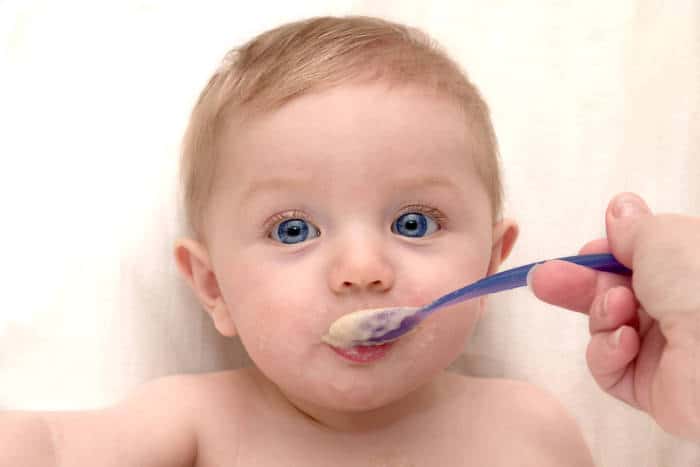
[
  {"x": 276, "y": 315},
  {"x": 445, "y": 334},
  {"x": 270, "y": 324},
  {"x": 461, "y": 268}
]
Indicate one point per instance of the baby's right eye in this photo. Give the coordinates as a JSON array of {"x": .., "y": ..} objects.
[{"x": 291, "y": 231}]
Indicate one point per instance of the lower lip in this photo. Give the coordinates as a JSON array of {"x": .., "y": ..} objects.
[{"x": 364, "y": 353}]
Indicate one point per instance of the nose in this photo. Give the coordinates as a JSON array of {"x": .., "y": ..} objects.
[{"x": 361, "y": 267}]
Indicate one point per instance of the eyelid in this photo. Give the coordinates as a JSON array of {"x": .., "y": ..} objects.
[
  {"x": 437, "y": 215},
  {"x": 433, "y": 212},
  {"x": 283, "y": 216}
]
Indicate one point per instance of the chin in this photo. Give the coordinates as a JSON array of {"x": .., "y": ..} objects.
[{"x": 353, "y": 392}]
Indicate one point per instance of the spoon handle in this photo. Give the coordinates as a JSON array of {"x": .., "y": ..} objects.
[{"x": 517, "y": 277}]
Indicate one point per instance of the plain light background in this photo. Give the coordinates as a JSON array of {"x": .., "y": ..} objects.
[{"x": 588, "y": 99}]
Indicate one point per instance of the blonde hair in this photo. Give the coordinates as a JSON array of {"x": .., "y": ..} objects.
[{"x": 309, "y": 55}]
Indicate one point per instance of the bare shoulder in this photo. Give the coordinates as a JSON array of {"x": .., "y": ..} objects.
[
  {"x": 161, "y": 423},
  {"x": 200, "y": 409},
  {"x": 153, "y": 426},
  {"x": 222, "y": 391},
  {"x": 195, "y": 397},
  {"x": 528, "y": 420}
]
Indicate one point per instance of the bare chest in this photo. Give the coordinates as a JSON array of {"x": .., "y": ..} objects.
[{"x": 270, "y": 448}]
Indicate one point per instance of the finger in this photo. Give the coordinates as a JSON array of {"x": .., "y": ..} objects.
[
  {"x": 616, "y": 307},
  {"x": 612, "y": 309},
  {"x": 595, "y": 246},
  {"x": 623, "y": 218},
  {"x": 610, "y": 357},
  {"x": 569, "y": 285}
]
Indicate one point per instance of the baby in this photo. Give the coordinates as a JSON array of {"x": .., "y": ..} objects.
[{"x": 330, "y": 165}]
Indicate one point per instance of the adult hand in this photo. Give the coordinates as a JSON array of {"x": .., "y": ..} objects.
[{"x": 645, "y": 330}]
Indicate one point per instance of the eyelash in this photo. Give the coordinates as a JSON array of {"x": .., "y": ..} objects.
[
  {"x": 435, "y": 213},
  {"x": 283, "y": 216}
]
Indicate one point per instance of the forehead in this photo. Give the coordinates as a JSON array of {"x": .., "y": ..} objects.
[{"x": 367, "y": 132}]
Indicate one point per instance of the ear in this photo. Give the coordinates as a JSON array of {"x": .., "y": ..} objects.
[
  {"x": 193, "y": 261},
  {"x": 505, "y": 233}
]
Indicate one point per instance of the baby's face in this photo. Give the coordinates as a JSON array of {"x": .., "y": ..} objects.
[{"x": 356, "y": 197}]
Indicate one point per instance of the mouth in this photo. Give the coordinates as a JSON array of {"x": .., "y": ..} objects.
[{"x": 363, "y": 353}]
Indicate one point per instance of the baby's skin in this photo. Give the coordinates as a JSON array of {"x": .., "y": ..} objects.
[
  {"x": 239, "y": 418},
  {"x": 310, "y": 221}
]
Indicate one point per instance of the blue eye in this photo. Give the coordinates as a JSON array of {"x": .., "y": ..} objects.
[
  {"x": 293, "y": 231},
  {"x": 414, "y": 224}
]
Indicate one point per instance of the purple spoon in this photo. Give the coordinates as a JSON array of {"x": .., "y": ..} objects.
[{"x": 381, "y": 325}]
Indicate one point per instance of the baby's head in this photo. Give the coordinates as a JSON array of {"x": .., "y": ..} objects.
[{"x": 331, "y": 165}]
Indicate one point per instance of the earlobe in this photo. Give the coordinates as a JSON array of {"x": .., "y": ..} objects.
[
  {"x": 222, "y": 319},
  {"x": 194, "y": 264}
]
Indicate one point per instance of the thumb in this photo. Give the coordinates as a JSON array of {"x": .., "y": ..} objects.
[{"x": 623, "y": 219}]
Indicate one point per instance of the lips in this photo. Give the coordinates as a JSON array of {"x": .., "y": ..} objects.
[{"x": 363, "y": 353}]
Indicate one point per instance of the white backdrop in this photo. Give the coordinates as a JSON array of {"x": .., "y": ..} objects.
[{"x": 588, "y": 99}]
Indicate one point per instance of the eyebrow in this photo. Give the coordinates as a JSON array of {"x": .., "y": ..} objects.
[
  {"x": 426, "y": 181},
  {"x": 273, "y": 184}
]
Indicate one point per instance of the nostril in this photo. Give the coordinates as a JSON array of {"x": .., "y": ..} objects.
[{"x": 373, "y": 285}]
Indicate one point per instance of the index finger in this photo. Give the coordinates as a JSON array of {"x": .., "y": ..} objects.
[{"x": 571, "y": 286}]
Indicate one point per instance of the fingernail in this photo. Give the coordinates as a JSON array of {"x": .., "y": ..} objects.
[
  {"x": 614, "y": 338},
  {"x": 528, "y": 278},
  {"x": 627, "y": 205}
]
